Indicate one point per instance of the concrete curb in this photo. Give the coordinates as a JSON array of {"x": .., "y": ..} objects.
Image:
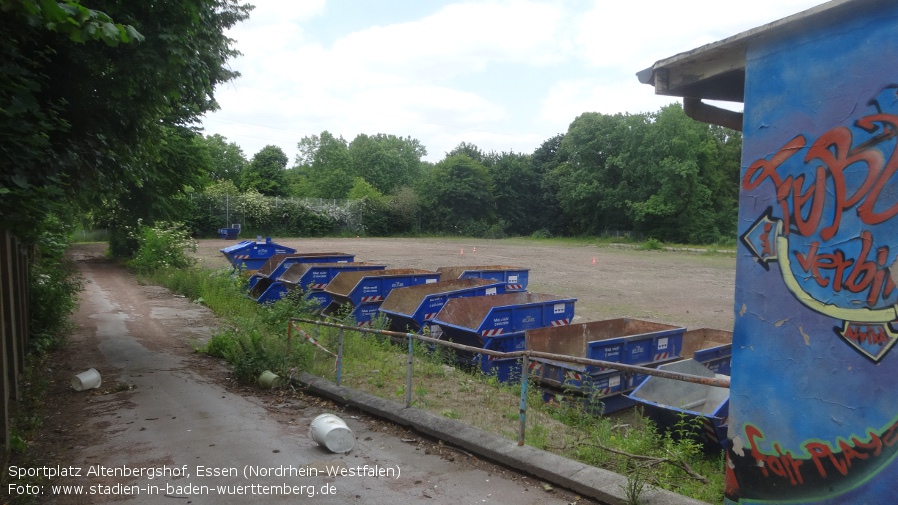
[{"x": 596, "y": 483}]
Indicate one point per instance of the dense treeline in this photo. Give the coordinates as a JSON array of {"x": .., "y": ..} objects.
[
  {"x": 100, "y": 111},
  {"x": 661, "y": 175}
]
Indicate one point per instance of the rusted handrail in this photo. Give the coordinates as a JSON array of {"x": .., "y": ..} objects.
[{"x": 708, "y": 381}]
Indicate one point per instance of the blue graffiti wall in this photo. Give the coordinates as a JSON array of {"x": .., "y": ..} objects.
[{"x": 814, "y": 418}]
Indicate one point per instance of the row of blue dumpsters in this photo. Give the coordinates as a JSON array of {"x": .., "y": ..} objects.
[{"x": 489, "y": 307}]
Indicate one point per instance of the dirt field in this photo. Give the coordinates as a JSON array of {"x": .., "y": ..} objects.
[{"x": 684, "y": 288}]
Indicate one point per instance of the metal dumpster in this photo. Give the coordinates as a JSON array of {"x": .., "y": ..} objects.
[
  {"x": 410, "y": 309},
  {"x": 624, "y": 340},
  {"x": 228, "y": 233},
  {"x": 516, "y": 277},
  {"x": 364, "y": 291},
  {"x": 312, "y": 278},
  {"x": 669, "y": 403},
  {"x": 252, "y": 254},
  {"x": 712, "y": 348},
  {"x": 498, "y": 323},
  {"x": 279, "y": 263}
]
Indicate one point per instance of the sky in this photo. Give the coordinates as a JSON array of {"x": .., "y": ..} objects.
[{"x": 504, "y": 75}]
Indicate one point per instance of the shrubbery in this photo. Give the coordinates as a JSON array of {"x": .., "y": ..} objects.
[
  {"x": 162, "y": 245},
  {"x": 54, "y": 285}
]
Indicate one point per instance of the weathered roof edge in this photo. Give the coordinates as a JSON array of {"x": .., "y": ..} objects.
[{"x": 726, "y": 56}]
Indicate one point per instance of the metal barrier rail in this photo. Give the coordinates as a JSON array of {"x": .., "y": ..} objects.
[{"x": 525, "y": 356}]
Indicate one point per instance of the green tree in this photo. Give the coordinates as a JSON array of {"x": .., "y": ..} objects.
[
  {"x": 362, "y": 189},
  {"x": 545, "y": 209},
  {"x": 593, "y": 183},
  {"x": 40, "y": 171},
  {"x": 517, "y": 192},
  {"x": 227, "y": 160},
  {"x": 327, "y": 165},
  {"x": 688, "y": 173},
  {"x": 177, "y": 168},
  {"x": 386, "y": 161},
  {"x": 458, "y": 196},
  {"x": 471, "y": 151},
  {"x": 86, "y": 123},
  {"x": 265, "y": 172}
]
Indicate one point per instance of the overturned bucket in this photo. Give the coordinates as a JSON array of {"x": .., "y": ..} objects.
[
  {"x": 88, "y": 379},
  {"x": 269, "y": 379},
  {"x": 331, "y": 432}
]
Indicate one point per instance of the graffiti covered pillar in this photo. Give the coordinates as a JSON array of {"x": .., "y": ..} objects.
[{"x": 813, "y": 412}]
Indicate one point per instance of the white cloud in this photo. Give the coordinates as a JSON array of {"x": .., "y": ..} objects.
[{"x": 502, "y": 74}]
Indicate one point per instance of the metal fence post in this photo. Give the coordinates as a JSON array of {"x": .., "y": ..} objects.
[
  {"x": 525, "y": 368},
  {"x": 408, "y": 378},
  {"x": 339, "y": 364}
]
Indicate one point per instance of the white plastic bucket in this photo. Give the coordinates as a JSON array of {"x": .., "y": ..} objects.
[
  {"x": 331, "y": 432},
  {"x": 89, "y": 379}
]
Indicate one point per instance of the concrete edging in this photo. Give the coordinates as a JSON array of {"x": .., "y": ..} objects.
[{"x": 596, "y": 483}]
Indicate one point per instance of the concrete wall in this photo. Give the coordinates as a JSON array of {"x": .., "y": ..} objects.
[{"x": 813, "y": 414}]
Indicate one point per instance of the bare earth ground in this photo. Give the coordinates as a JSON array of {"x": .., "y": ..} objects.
[
  {"x": 683, "y": 288},
  {"x": 693, "y": 290}
]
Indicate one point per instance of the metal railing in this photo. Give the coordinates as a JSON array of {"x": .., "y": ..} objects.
[
  {"x": 524, "y": 355},
  {"x": 14, "y": 323}
]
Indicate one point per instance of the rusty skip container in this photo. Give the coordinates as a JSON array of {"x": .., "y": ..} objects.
[
  {"x": 279, "y": 263},
  {"x": 712, "y": 348},
  {"x": 516, "y": 278},
  {"x": 623, "y": 340},
  {"x": 264, "y": 286},
  {"x": 499, "y": 323},
  {"x": 411, "y": 308},
  {"x": 312, "y": 278},
  {"x": 366, "y": 290}
]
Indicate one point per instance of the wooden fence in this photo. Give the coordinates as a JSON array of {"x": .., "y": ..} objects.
[{"x": 14, "y": 321}]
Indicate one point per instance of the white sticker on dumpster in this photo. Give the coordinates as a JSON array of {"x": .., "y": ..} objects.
[
  {"x": 614, "y": 381},
  {"x": 491, "y": 291},
  {"x": 559, "y": 308},
  {"x": 513, "y": 279},
  {"x": 662, "y": 343}
]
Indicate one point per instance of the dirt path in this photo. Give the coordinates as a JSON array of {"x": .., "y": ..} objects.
[
  {"x": 165, "y": 409},
  {"x": 689, "y": 289}
]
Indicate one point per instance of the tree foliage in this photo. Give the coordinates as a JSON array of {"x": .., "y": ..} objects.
[
  {"x": 386, "y": 161},
  {"x": 458, "y": 195},
  {"x": 266, "y": 172},
  {"x": 92, "y": 107},
  {"x": 226, "y": 159}
]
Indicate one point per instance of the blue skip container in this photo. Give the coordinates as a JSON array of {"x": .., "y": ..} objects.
[
  {"x": 499, "y": 323},
  {"x": 712, "y": 348},
  {"x": 279, "y": 263},
  {"x": 365, "y": 291},
  {"x": 516, "y": 278},
  {"x": 670, "y": 403},
  {"x": 252, "y": 254},
  {"x": 312, "y": 278},
  {"x": 410, "y": 309},
  {"x": 623, "y": 340}
]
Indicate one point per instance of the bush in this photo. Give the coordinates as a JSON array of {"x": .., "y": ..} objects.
[
  {"x": 54, "y": 285},
  {"x": 652, "y": 244},
  {"x": 163, "y": 245}
]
